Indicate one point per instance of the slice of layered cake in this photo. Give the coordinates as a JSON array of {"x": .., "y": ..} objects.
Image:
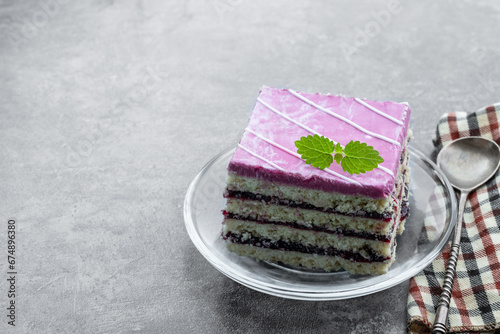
[{"x": 280, "y": 209}]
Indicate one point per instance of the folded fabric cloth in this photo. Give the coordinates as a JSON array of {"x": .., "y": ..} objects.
[{"x": 475, "y": 301}]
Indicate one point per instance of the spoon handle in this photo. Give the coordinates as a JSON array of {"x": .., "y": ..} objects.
[{"x": 441, "y": 318}]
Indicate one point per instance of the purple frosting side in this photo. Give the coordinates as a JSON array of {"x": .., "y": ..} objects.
[{"x": 376, "y": 183}]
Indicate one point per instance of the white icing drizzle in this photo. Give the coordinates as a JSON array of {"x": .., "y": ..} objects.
[
  {"x": 295, "y": 154},
  {"x": 357, "y": 126},
  {"x": 288, "y": 118},
  {"x": 406, "y": 109},
  {"x": 261, "y": 158},
  {"x": 378, "y": 111},
  {"x": 388, "y": 171}
]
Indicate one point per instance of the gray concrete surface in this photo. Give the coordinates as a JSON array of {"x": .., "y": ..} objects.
[{"x": 108, "y": 109}]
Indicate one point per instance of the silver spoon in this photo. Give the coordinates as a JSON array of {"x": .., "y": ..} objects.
[{"x": 468, "y": 163}]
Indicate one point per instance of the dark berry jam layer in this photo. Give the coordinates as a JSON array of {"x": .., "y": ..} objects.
[
  {"x": 405, "y": 206},
  {"x": 385, "y": 216},
  {"x": 405, "y": 210},
  {"x": 371, "y": 256},
  {"x": 347, "y": 233}
]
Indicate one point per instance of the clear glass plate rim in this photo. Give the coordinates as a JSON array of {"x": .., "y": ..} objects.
[{"x": 272, "y": 289}]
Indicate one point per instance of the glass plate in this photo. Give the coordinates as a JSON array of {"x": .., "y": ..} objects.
[{"x": 428, "y": 228}]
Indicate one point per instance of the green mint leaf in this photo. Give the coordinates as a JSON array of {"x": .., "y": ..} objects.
[
  {"x": 316, "y": 151},
  {"x": 338, "y": 157},
  {"x": 339, "y": 149},
  {"x": 360, "y": 158}
]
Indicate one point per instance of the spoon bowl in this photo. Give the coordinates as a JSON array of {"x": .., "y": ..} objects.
[{"x": 467, "y": 163}]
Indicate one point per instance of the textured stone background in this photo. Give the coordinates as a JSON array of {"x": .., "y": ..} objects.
[{"x": 108, "y": 109}]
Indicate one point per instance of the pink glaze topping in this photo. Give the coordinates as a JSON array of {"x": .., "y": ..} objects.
[{"x": 281, "y": 116}]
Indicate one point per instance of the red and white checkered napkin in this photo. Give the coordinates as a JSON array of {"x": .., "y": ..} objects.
[{"x": 475, "y": 302}]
